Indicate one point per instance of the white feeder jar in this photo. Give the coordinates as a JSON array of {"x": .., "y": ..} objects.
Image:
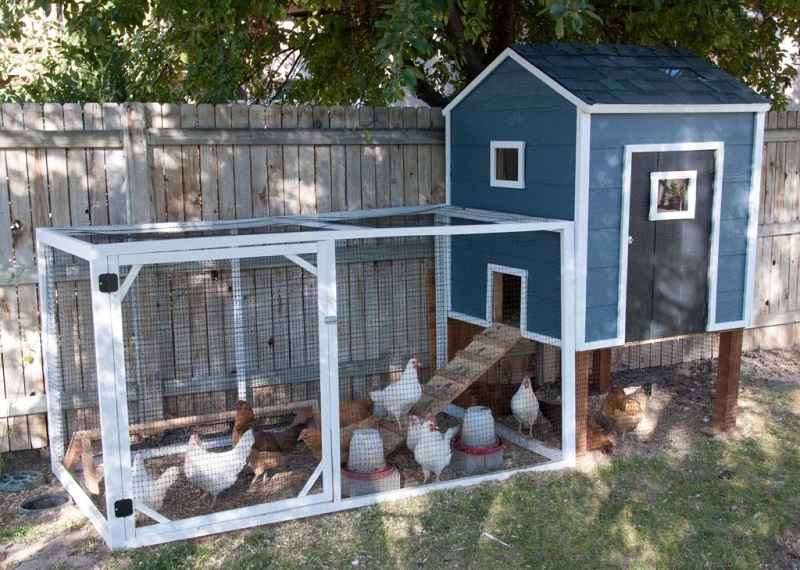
[
  {"x": 478, "y": 428},
  {"x": 366, "y": 451}
]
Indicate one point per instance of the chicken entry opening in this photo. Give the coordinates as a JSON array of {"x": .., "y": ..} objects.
[{"x": 507, "y": 299}]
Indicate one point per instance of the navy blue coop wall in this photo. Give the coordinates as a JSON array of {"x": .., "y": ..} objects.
[
  {"x": 537, "y": 253},
  {"x": 513, "y": 105},
  {"x": 609, "y": 135}
]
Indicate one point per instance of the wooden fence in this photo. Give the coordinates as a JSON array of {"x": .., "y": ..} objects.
[
  {"x": 135, "y": 163},
  {"x": 776, "y": 318},
  {"x": 96, "y": 164}
]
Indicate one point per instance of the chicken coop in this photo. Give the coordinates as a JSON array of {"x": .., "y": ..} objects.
[
  {"x": 655, "y": 154},
  {"x": 212, "y": 376}
]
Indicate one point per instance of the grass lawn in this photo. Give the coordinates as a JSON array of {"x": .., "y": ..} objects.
[{"x": 670, "y": 509}]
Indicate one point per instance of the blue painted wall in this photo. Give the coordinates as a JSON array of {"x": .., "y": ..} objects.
[
  {"x": 513, "y": 105},
  {"x": 537, "y": 252},
  {"x": 609, "y": 135}
]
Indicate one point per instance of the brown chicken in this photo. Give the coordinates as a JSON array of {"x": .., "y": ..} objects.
[
  {"x": 597, "y": 438},
  {"x": 313, "y": 437},
  {"x": 624, "y": 412},
  {"x": 352, "y": 411},
  {"x": 269, "y": 448},
  {"x": 243, "y": 421}
]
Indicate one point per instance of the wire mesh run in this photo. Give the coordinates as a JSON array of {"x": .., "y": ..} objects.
[
  {"x": 653, "y": 395},
  {"x": 207, "y": 377}
]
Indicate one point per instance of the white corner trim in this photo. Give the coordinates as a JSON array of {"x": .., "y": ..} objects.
[
  {"x": 752, "y": 222},
  {"x": 583, "y": 130}
]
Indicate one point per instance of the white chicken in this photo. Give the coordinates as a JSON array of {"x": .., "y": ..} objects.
[
  {"x": 414, "y": 431},
  {"x": 147, "y": 489},
  {"x": 215, "y": 472},
  {"x": 398, "y": 397},
  {"x": 432, "y": 451},
  {"x": 525, "y": 406}
]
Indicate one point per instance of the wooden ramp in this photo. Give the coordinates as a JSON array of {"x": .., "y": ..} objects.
[{"x": 469, "y": 364}]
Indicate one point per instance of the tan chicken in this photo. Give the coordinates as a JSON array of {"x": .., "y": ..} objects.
[
  {"x": 624, "y": 412},
  {"x": 243, "y": 421},
  {"x": 352, "y": 411},
  {"x": 597, "y": 438},
  {"x": 313, "y": 437}
]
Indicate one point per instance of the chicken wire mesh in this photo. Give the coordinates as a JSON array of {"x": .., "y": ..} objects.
[
  {"x": 409, "y": 415},
  {"x": 652, "y": 396},
  {"x": 447, "y": 359}
]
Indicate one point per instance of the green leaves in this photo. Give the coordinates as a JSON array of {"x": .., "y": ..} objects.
[{"x": 347, "y": 52}]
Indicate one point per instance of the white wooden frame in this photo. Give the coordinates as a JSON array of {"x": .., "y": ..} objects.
[
  {"x": 109, "y": 345},
  {"x": 719, "y": 160},
  {"x": 496, "y": 182},
  {"x": 655, "y": 195}
]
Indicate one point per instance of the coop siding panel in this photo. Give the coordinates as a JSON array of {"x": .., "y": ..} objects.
[
  {"x": 538, "y": 253},
  {"x": 601, "y": 322},
  {"x": 729, "y": 306},
  {"x": 605, "y": 285},
  {"x": 735, "y": 202},
  {"x": 603, "y": 248},
  {"x": 605, "y": 205},
  {"x": 493, "y": 112}
]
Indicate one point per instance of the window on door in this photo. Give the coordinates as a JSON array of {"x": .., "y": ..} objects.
[{"x": 672, "y": 195}]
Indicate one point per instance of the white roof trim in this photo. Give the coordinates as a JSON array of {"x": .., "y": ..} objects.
[
  {"x": 613, "y": 109},
  {"x": 599, "y": 108},
  {"x": 525, "y": 64}
]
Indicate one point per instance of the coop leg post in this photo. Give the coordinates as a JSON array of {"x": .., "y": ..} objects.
[
  {"x": 582, "y": 360},
  {"x": 601, "y": 369},
  {"x": 727, "y": 386}
]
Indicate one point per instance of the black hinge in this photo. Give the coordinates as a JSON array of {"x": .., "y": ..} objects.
[
  {"x": 123, "y": 508},
  {"x": 109, "y": 283}
]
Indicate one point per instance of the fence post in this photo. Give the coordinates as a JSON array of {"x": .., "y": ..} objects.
[{"x": 139, "y": 198}]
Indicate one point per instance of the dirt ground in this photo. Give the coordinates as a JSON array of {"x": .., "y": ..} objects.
[{"x": 678, "y": 412}]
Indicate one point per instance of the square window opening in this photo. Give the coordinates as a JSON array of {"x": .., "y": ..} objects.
[
  {"x": 672, "y": 195},
  {"x": 508, "y": 164}
]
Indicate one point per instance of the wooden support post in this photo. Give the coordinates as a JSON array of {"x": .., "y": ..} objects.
[
  {"x": 601, "y": 369},
  {"x": 726, "y": 396},
  {"x": 432, "y": 319},
  {"x": 582, "y": 361}
]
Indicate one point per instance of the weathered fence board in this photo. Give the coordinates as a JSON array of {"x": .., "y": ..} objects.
[{"x": 777, "y": 287}]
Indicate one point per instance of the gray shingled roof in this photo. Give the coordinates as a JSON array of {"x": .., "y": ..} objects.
[{"x": 637, "y": 75}]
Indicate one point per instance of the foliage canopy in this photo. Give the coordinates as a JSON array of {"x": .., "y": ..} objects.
[{"x": 343, "y": 52}]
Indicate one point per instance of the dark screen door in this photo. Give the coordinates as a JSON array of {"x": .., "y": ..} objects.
[{"x": 668, "y": 259}]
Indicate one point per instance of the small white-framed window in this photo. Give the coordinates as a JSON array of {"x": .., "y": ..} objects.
[
  {"x": 673, "y": 195},
  {"x": 508, "y": 164}
]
